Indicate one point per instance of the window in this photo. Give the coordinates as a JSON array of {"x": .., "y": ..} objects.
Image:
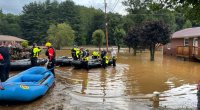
[
  {"x": 195, "y": 42},
  {"x": 186, "y": 42},
  {"x": 169, "y": 46}
]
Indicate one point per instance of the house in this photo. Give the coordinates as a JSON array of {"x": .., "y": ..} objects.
[
  {"x": 184, "y": 43},
  {"x": 7, "y": 38}
]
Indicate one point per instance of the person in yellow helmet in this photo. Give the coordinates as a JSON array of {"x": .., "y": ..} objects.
[
  {"x": 75, "y": 52},
  {"x": 51, "y": 53},
  {"x": 114, "y": 57},
  {"x": 104, "y": 59},
  {"x": 34, "y": 54},
  {"x": 95, "y": 54}
]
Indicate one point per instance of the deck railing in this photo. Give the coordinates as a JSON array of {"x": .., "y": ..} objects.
[{"x": 188, "y": 51}]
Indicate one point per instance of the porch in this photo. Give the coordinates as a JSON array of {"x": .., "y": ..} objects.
[{"x": 189, "y": 52}]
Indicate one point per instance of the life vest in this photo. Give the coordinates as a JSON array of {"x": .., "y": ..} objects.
[
  {"x": 51, "y": 53},
  {"x": 78, "y": 52},
  {"x": 85, "y": 58},
  {"x": 96, "y": 54},
  {"x": 85, "y": 55},
  {"x": 35, "y": 52},
  {"x": 106, "y": 59}
]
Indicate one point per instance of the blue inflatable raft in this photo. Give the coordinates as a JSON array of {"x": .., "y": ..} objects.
[{"x": 27, "y": 85}]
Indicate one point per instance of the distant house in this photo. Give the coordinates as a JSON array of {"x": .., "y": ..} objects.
[
  {"x": 184, "y": 43},
  {"x": 6, "y": 38}
]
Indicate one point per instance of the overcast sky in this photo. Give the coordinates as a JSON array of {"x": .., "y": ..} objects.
[{"x": 15, "y": 6}]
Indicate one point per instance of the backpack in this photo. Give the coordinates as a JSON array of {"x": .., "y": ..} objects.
[{"x": 1, "y": 57}]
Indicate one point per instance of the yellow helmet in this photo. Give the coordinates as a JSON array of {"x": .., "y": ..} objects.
[{"x": 48, "y": 44}]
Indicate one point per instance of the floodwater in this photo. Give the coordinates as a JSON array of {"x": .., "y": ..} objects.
[{"x": 127, "y": 86}]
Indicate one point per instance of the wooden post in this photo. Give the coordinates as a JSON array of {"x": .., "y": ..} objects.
[{"x": 155, "y": 99}]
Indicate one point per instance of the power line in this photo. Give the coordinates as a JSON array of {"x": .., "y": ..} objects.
[{"x": 115, "y": 5}]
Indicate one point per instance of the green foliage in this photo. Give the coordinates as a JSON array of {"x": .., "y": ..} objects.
[
  {"x": 90, "y": 20},
  {"x": 187, "y": 24},
  {"x": 98, "y": 37},
  {"x": 24, "y": 44},
  {"x": 61, "y": 35},
  {"x": 119, "y": 36},
  {"x": 115, "y": 22},
  {"x": 155, "y": 32},
  {"x": 9, "y": 25},
  {"x": 133, "y": 38},
  {"x": 37, "y": 17}
]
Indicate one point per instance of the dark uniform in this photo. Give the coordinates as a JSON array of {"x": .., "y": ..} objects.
[
  {"x": 51, "y": 53},
  {"x": 34, "y": 55},
  {"x": 5, "y": 63},
  {"x": 85, "y": 58},
  {"x": 104, "y": 58}
]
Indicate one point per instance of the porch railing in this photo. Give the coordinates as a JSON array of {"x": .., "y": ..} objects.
[{"x": 188, "y": 51}]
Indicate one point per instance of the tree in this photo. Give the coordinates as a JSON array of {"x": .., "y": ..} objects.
[
  {"x": 153, "y": 33},
  {"x": 96, "y": 23},
  {"x": 24, "y": 44},
  {"x": 133, "y": 38},
  {"x": 33, "y": 22},
  {"x": 114, "y": 22},
  {"x": 98, "y": 38},
  {"x": 119, "y": 35},
  {"x": 61, "y": 35},
  {"x": 9, "y": 24},
  {"x": 187, "y": 24}
]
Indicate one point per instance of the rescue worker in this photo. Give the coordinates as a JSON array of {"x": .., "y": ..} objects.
[
  {"x": 51, "y": 53},
  {"x": 95, "y": 54},
  {"x": 5, "y": 62},
  {"x": 75, "y": 52},
  {"x": 114, "y": 57},
  {"x": 34, "y": 54},
  {"x": 104, "y": 59},
  {"x": 85, "y": 58}
]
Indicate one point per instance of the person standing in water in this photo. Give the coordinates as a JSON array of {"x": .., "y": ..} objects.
[
  {"x": 51, "y": 53},
  {"x": 114, "y": 57}
]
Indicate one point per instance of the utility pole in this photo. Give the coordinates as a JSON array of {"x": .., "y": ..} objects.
[{"x": 106, "y": 26}]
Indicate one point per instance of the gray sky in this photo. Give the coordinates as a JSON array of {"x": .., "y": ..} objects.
[{"x": 15, "y": 6}]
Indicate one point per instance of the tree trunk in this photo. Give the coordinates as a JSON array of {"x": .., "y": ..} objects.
[
  {"x": 118, "y": 48},
  {"x": 152, "y": 51},
  {"x": 59, "y": 46},
  {"x": 134, "y": 51},
  {"x": 99, "y": 48}
]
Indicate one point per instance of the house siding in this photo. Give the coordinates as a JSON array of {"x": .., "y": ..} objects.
[{"x": 171, "y": 49}]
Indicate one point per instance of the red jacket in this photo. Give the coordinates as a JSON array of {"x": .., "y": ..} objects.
[{"x": 51, "y": 53}]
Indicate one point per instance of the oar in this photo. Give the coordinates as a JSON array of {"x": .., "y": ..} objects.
[{"x": 43, "y": 79}]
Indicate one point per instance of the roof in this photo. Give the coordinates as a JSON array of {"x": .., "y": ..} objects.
[
  {"x": 10, "y": 38},
  {"x": 187, "y": 33}
]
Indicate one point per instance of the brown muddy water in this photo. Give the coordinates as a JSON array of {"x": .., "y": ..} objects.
[{"x": 124, "y": 87}]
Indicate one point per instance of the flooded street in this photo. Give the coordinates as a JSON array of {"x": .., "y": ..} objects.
[{"x": 121, "y": 87}]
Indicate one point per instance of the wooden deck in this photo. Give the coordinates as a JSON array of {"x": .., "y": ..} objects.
[{"x": 188, "y": 52}]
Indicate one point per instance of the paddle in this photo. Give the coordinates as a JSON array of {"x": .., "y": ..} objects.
[{"x": 43, "y": 79}]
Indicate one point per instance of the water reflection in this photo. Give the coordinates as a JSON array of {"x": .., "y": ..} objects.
[{"x": 135, "y": 75}]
